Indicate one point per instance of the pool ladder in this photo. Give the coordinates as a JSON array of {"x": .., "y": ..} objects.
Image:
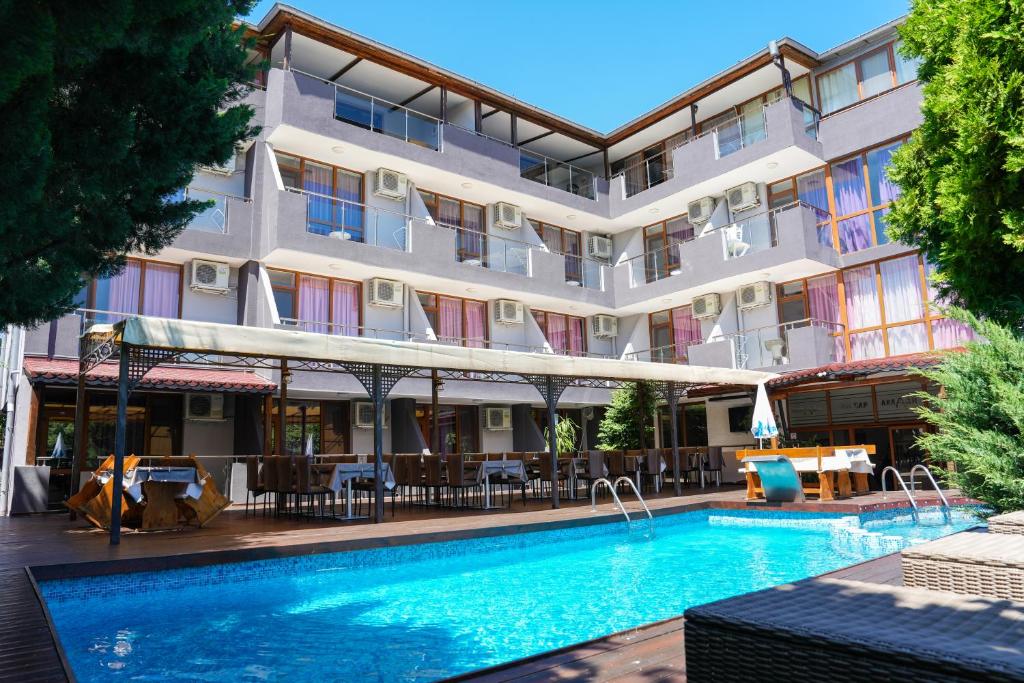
[
  {"x": 618, "y": 502},
  {"x": 903, "y": 479}
]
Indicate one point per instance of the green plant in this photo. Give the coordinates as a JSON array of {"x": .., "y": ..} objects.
[
  {"x": 978, "y": 414},
  {"x": 627, "y": 422},
  {"x": 566, "y": 432}
]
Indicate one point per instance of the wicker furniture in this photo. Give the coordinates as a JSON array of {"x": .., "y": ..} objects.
[
  {"x": 1010, "y": 523},
  {"x": 835, "y": 630},
  {"x": 970, "y": 563}
]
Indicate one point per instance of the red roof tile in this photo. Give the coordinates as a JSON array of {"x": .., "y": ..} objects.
[
  {"x": 857, "y": 368},
  {"x": 65, "y": 371}
]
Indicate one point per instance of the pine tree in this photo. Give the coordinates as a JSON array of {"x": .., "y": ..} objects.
[
  {"x": 106, "y": 107},
  {"x": 627, "y": 421}
]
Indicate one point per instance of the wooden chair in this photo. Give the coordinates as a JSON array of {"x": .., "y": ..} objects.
[
  {"x": 270, "y": 480},
  {"x": 595, "y": 469},
  {"x": 544, "y": 472},
  {"x": 95, "y": 501},
  {"x": 433, "y": 476},
  {"x": 254, "y": 486},
  {"x": 210, "y": 503},
  {"x": 285, "y": 481}
]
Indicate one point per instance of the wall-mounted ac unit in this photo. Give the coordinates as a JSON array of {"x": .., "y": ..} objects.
[
  {"x": 507, "y": 216},
  {"x": 508, "y": 312},
  {"x": 699, "y": 212},
  {"x": 599, "y": 247},
  {"x": 363, "y": 414},
  {"x": 497, "y": 419},
  {"x": 387, "y": 293},
  {"x": 706, "y": 306},
  {"x": 754, "y": 295},
  {"x": 742, "y": 197},
  {"x": 391, "y": 184},
  {"x": 204, "y": 407},
  {"x": 605, "y": 326},
  {"x": 210, "y": 276}
]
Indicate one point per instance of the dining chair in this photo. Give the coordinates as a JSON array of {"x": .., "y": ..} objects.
[
  {"x": 461, "y": 477},
  {"x": 433, "y": 476},
  {"x": 651, "y": 470},
  {"x": 270, "y": 480},
  {"x": 285, "y": 479},
  {"x": 305, "y": 487},
  {"x": 253, "y": 486}
]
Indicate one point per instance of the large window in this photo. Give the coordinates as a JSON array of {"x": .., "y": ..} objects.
[
  {"x": 673, "y": 332},
  {"x": 567, "y": 334},
  {"x": 864, "y": 77},
  {"x": 142, "y": 288},
  {"x": 458, "y": 427},
  {"x": 468, "y": 221},
  {"x": 318, "y": 304},
  {"x": 456, "y": 321},
  {"x": 567, "y": 242},
  {"x": 334, "y": 199},
  {"x": 322, "y": 427},
  {"x": 692, "y": 423},
  {"x": 661, "y": 240},
  {"x": 810, "y": 188},
  {"x": 861, "y": 195}
]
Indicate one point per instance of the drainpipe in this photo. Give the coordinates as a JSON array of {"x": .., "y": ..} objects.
[{"x": 14, "y": 346}]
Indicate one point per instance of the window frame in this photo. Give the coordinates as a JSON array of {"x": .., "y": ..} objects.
[
  {"x": 545, "y": 314},
  {"x": 91, "y": 296},
  {"x": 461, "y": 252},
  {"x": 573, "y": 272},
  {"x": 856, "y": 60},
  {"x": 335, "y": 169},
  {"x": 683, "y": 359},
  {"x": 436, "y": 308},
  {"x": 294, "y": 290}
]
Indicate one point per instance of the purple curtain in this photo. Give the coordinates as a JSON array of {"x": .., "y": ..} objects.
[
  {"x": 476, "y": 324},
  {"x": 120, "y": 293},
  {"x": 686, "y": 332},
  {"x": 862, "y": 308},
  {"x": 950, "y": 334},
  {"x": 823, "y": 303},
  {"x": 450, "y": 313},
  {"x": 905, "y": 339},
  {"x": 576, "y": 346},
  {"x": 848, "y": 187},
  {"x": 866, "y": 345},
  {"x": 345, "y": 308},
  {"x": 313, "y": 300},
  {"x": 883, "y": 190},
  {"x": 557, "y": 335},
  {"x": 854, "y": 233},
  {"x": 163, "y": 288}
]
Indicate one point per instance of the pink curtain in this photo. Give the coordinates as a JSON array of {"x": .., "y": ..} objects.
[
  {"x": 862, "y": 306},
  {"x": 313, "y": 300},
  {"x": 576, "y": 346},
  {"x": 950, "y": 334},
  {"x": 345, "y": 308},
  {"x": 557, "y": 335},
  {"x": 901, "y": 289},
  {"x": 686, "y": 332},
  {"x": 163, "y": 288},
  {"x": 907, "y": 339},
  {"x": 450, "y": 313},
  {"x": 476, "y": 324},
  {"x": 123, "y": 290},
  {"x": 823, "y": 302},
  {"x": 866, "y": 345}
]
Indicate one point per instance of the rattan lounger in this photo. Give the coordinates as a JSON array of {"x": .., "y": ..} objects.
[
  {"x": 1010, "y": 523},
  {"x": 970, "y": 563},
  {"x": 834, "y": 630}
]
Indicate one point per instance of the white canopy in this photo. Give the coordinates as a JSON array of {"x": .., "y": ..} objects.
[{"x": 238, "y": 340}]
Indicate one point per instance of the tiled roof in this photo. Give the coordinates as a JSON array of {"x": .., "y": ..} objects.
[
  {"x": 857, "y": 368},
  {"x": 65, "y": 371}
]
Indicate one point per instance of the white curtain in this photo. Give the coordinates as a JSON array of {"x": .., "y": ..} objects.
[{"x": 838, "y": 88}]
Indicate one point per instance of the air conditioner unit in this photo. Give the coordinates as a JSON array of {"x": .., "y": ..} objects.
[
  {"x": 605, "y": 326},
  {"x": 706, "y": 306},
  {"x": 391, "y": 184},
  {"x": 204, "y": 407},
  {"x": 387, "y": 293},
  {"x": 364, "y": 415},
  {"x": 742, "y": 197},
  {"x": 507, "y": 216},
  {"x": 498, "y": 419},
  {"x": 599, "y": 247},
  {"x": 699, "y": 212},
  {"x": 210, "y": 276},
  {"x": 753, "y": 296},
  {"x": 508, "y": 312}
]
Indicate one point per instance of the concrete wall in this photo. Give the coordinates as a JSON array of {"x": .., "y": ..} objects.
[{"x": 889, "y": 115}]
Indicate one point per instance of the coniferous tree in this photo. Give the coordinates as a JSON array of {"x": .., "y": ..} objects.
[
  {"x": 627, "y": 421},
  {"x": 106, "y": 107}
]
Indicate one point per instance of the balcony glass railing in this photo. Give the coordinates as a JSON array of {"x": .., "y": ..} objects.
[
  {"x": 351, "y": 221},
  {"x": 553, "y": 173},
  {"x": 654, "y": 265},
  {"x": 771, "y": 345},
  {"x": 670, "y": 353},
  {"x": 215, "y": 217},
  {"x": 651, "y": 171},
  {"x": 758, "y": 232},
  {"x": 384, "y": 117},
  {"x": 493, "y": 252}
]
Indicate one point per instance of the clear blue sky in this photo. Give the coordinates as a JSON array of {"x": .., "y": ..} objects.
[{"x": 599, "y": 63}]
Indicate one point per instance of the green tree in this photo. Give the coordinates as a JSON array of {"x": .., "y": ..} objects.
[
  {"x": 979, "y": 416},
  {"x": 962, "y": 197},
  {"x": 566, "y": 435},
  {"x": 627, "y": 421},
  {"x": 106, "y": 107}
]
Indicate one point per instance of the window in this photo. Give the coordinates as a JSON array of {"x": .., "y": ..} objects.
[
  {"x": 567, "y": 334},
  {"x": 861, "y": 195},
  {"x": 141, "y": 288},
  {"x": 567, "y": 242},
  {"x": 466, "y": 219},
  {"x": 458, "y": 427},
  {"x": 673, "y": 332},
  {"x": 334, "y": 195},
  {"x": 692, "y": 423},
  {"x": 318, "y": 304},
  {"x": 864, "y": 77},
  {"x": 320, "y": 426},
  {"x": 456, "y": 321},
  {"x": 661, "y": 255},
  {"x": 810, "y": 188}
]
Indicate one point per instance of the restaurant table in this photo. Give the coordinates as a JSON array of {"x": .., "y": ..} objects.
[
  {"x": 186, "y": 477},
  {"x": 577, "y": 466},
  {"x": 161, "y": 488},
  {"x": 510, "y": 469},
  {"x": 338, "y": 475}
]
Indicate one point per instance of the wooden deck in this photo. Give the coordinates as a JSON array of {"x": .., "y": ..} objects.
[{"x": 53, "y": 546}]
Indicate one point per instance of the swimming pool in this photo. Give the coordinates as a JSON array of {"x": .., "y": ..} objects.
[{"x": 423, "y": 612}]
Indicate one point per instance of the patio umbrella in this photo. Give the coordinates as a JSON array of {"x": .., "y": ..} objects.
[
  {"x": 58, "y": 447},
  {"x": 762, "y": 425},
  {"x": 309, "y": 446}
]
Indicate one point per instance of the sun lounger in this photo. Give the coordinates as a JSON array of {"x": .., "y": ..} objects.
[
  {"x": 835, "y": 630},
  {"x": 970, "y": 563},
  {"x": 1010, "y": 523},
  {"x": 779, "y": 478}
]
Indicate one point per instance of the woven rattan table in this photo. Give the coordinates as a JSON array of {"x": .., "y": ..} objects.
[
  {"x": 970, "y": 563},
  {"x": 835, "y": 630},
  {"x": 1010, "y": 523}
]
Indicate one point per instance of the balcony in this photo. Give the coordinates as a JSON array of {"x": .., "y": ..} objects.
[
  {"x": 796, "y": 345},
  {"x": 223, "y": 229},
  {"x": 883, "y": 117},
  {"x": 781, "y": 142},
  {"x": 557, "y": 174}
]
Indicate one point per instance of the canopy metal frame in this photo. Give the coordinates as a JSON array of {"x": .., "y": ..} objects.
[{"x": 377, "y": 379}]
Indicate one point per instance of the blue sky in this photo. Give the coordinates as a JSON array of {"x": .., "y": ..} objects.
[{"x": 599, "y": 63}]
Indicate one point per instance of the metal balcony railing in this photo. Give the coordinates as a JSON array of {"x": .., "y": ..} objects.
[
  {"x": 356, "y": 222},
  {"x": 215, "y": 218},
  {"x": 558, "y": 174}
]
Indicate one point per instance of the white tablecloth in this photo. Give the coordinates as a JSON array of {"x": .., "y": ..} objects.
[
  {"x": 512, "y": 469},
  {"x": 340, "y": 472},
  {"x": 859, "y": 461},
  {"x": 133, "y": 480},
  {"x": 853, "y": 460}
]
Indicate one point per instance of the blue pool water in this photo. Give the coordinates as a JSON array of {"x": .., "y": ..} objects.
[{"x": 419, "y": 613}]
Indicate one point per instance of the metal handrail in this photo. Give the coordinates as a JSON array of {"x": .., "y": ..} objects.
[
  {"x": 618, "y": 503},
  {"x": 636, "y": 492},
  {"x": 366, "y": 94},
  {"x": 928, "y": 474},
  {"x": 768, "y": 212},
  {"x": 903, "y": 485}
]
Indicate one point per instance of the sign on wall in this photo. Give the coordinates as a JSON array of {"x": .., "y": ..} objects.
[
  {"x": 852, "y": 406},
  {"x": 895, "y": 401},
  {"x": 808, "y": 409}
]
